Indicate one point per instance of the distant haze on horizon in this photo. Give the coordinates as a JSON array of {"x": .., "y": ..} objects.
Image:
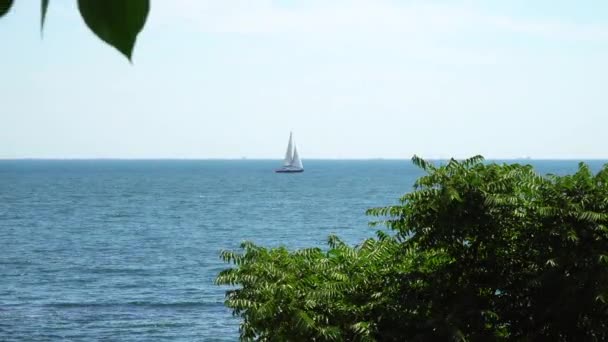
[{"x": 353, "y": 79}]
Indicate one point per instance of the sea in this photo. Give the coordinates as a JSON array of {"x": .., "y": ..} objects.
[{"x": 127, "y": 250}]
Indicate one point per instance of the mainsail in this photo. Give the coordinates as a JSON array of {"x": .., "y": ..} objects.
[{"x": 289, "y": 153}]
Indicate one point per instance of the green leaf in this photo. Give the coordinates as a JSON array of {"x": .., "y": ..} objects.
[
  {"x": 5, "y": 5},
  {"x": 44, "y": 4},
  {"x": 117, "y": 22}
]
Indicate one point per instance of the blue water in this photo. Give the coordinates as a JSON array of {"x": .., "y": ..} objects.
[{"x": 128, "y": 250}]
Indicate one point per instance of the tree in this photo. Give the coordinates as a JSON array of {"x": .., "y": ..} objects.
[
  {"x": 477, "y": 252},
  {"x": 116, "y": 22}
]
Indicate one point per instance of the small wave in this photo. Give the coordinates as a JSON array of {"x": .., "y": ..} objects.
[
  {"x": 124, "y": 271},
  {"x": 16, "y": 262},
  {"x": 143, "y": 304},
  {"x": 175, "y": 304},
  {"x": 160, "y": 325},
  {"x": 119, "y": 215}
]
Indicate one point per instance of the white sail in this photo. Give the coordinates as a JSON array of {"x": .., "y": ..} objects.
[
  {"x": 292, "y": 162},
  {"x": 296, "y": 162},
  {"x": 288, "y": 154}
]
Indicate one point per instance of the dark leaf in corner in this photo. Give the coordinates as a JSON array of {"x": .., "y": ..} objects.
[
  {"x": 44, "y": 4},
  {"x": 117, "y": 22},
  {"x": 5, "y": 5}
]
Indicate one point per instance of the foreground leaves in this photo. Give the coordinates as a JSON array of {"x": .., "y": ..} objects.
[
  {"x": 480, "y": 252},
  {"x": 117, "y": 22},
  {"x": 308, "y": 294},
  {"x": 44, "y": 5},
  {"x": 5, "y": 6}
]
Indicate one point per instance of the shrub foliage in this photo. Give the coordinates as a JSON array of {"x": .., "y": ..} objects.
[{"x": 475, "y": 252}]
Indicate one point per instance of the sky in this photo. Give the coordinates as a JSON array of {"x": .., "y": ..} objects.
[{"x": 350, "y": 78}]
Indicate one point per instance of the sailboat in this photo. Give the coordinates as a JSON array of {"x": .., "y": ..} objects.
[{"x": 292, "y": 162}]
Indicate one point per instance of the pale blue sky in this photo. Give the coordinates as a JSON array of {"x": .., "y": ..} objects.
[{"x": 352, "y": 79}]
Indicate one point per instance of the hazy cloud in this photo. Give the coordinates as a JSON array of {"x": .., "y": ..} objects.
[{"x": 364, "y": 16}]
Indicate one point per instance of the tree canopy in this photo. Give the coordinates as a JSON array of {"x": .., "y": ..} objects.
[{"x": 478, "y": 251}]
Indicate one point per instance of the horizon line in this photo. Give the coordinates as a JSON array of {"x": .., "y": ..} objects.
[{"x": 278, "y": 159}]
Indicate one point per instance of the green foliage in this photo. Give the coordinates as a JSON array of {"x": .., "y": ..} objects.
[
  {"x": 116, "y": 22},
  {"x": 44, "y": 5},
  {"x": 308, "y": 294},
  {"x": 5, "y": 6},
  {"x": 480, "y": 252}
]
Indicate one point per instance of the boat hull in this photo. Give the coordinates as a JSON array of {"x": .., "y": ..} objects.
[{"x": 289, "y": 170}]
